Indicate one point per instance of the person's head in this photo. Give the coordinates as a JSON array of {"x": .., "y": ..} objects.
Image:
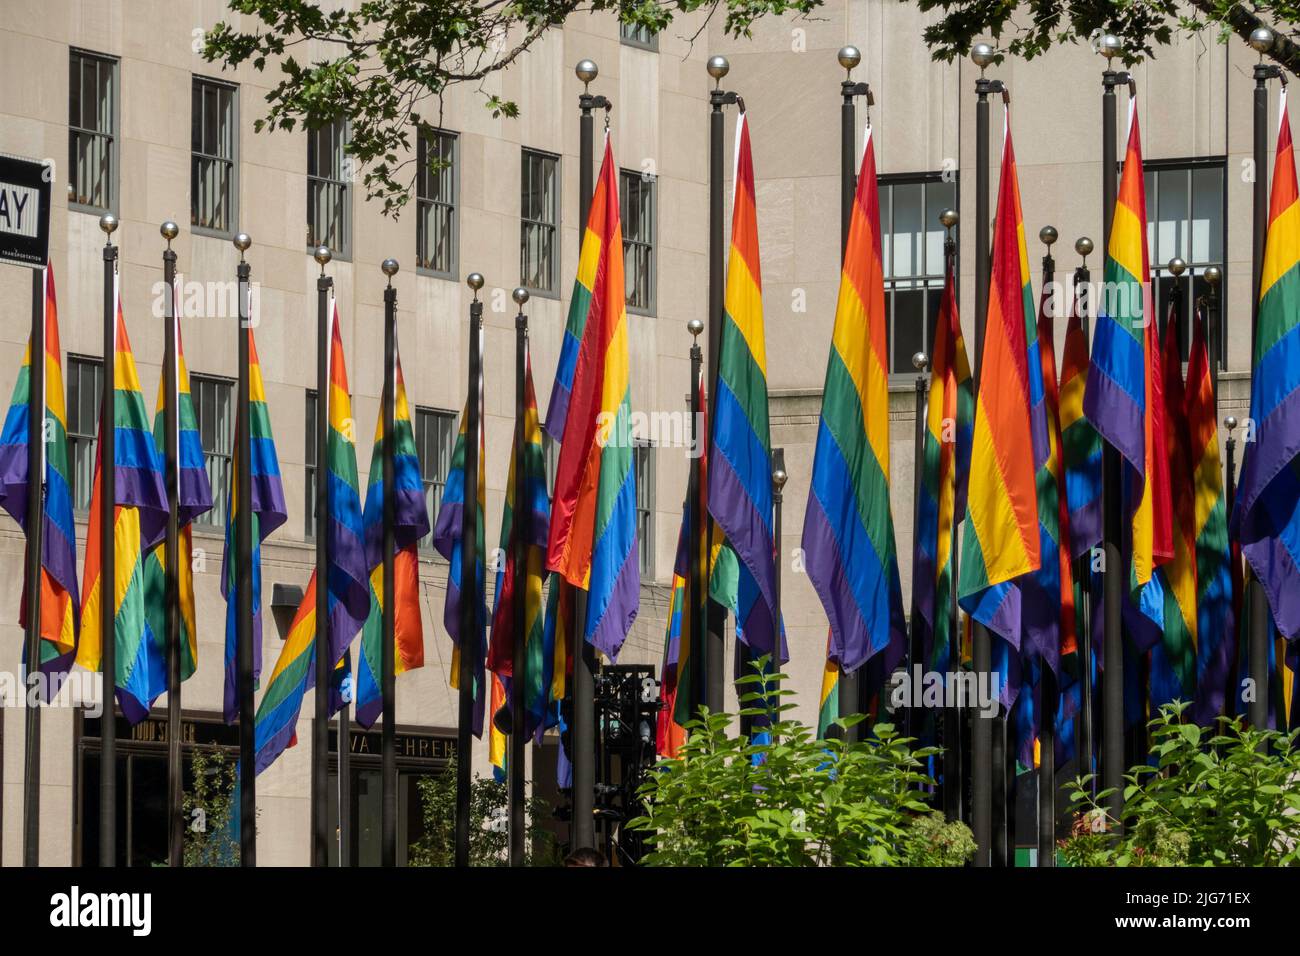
[{"x": 584, "y": 856}]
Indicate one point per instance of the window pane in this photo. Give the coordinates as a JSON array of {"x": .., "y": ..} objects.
[
  {"x": 909, "y": 325},
  {"x": 1207, "y": 215},
  {"x": 908, "y": 211},
  {"x": 1172, "y": 213},
  {"x": 939, "y": 196}
]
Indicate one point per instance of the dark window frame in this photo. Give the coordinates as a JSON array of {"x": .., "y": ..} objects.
[
  {"x": 76, "y": 131},
  {"x": 333, "y": 180},
  {"x": 432, "y": 482},
  {"x": 201, "y": 160},
  {"x": 541, "y": 225},
  {"x": 76, "y": 432},
  {"x": 426, "y": 205},
  {"x": 639, "y": 36},
  {"x": 631, "y": 246},
  {"x": 216, "y": 462}
]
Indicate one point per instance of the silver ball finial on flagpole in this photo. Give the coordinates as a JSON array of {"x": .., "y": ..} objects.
[
  {"x": 1213, "y": 275},
  {"x": 718, "y": 67},
  {"x": 1230, "y": 423},
  {"x": 322, "y": 255},
  {"x": 169, "y": 231},
  {"x": 475, "y": 281},
  {"x": 108, "y": 223},
  {"x": 1083, "y": 246},
  {"x": 520, "y": 295},
  {"x": 586, "y": 70},
  {"x": 949, "y": 218},
  {"x": 1110, "y": 46},
  {"x": 241, "y": 242},
  {"x": 1176, "y": 266},
  {"x": 779, "y": 477},
  {"x": 390, "y": 268},
  {"x": 982, "y": 55},
  {"x": 1048, "y": 235},
  {"x": 849, "y": 57},
  {"x": 920, "y": 361},
  {"x": 695, "y": 327},
  {"x": 1261, "y": 40}
]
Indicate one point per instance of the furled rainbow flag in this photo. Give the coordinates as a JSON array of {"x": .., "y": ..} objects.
[
  {"x": 828, "y": 706},
  {"x": 1214, "y": 613},
  {"x": 944, "y": 466},
  {"x": 410, "y": 524},
  {"x": 448, "y": 539},
  {"x": 349, "y": 580},
  {"x": 557, "y": 635},
  {"x": 848, "y": 534},
  {"x": 60, "y": 605},
  {"x": 535, "y": 516},
  {"x": 268, "y": 514},
  {"x": 1174, "y": 661},
  {"x": 194, "y": 498},
  {"x": 593, "y": 527},
  {"x": 294, "y": 673},
  {"x": 498, "y": 752},
  {"x": 140, "y": 520},
  {"x": 669, "y": 734},
  {"x": 1122, "y": 397},
  {"x": 1003, "y": 538},
  {"x": 1080, "y": 443},
  {"x": 740, "y": 479},
  {"x": 1267, "y": 509}
]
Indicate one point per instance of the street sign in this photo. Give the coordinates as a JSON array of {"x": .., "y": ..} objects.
[{"x": 24, "y": 211}]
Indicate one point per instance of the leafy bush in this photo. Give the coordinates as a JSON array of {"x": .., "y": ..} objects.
[
  {"x": 789, "y": 799},
  {"x": 1230, "y": 798},
  {"x": 489, "y": 837},
  {"x": 211, "y": 835}
]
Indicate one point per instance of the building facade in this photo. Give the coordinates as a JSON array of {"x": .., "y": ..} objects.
[{"x": 138, "y": 124}]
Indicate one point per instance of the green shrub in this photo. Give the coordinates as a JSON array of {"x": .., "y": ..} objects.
[
  {"x": 793, "y": 800},
  {"x": 1230, "y": 798}
]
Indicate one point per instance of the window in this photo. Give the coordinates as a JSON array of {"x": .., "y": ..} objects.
[
  {"x": 92, "y": 132},
  {"x": 637, "y": 197},
  {"x": 85, "y": 385},
  {"x": 214, "y": 416},
  {"x": 643, "y": 466},
  {"x": 435, "y": 202},
  {"x": 213, "y": 171},
  {"x": 539, "y": 216},
  {"x": 435, "y": 439},
  {"x": 309, "y": 470},
  {"x": 912, "y": 241},
  {"x": 637, "y": 34},
  {"x": 551, "y": 456},
  {"x": 328, "y": 196},
  {"x": 1185, "y": 218}
]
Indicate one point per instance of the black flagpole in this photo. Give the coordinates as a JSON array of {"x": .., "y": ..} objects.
[
  {"x": 521, "y": 518},
  {"x": 849, "y": 57},
  {"x": 1259, "y": 613},
  {"x": 982, "y": 754},
  {"x": 245, "y": 651},
  {"x": 107, "y": 571},
  {"x": 35, "y": 550},
  {"x": 469, "y": 595},
  {"x": 696, "y": 620},
  {"x": 171, "y": 570},
  {"x": 388, "y": 658},
  {"x": 321, "y": 660},
  {"x": 953, "y": 769},
  {"x": 1113, "y": 568},
  {"x": 779, "y": 478},
  {"x": 1047, "y": 677},
  {"x": 913, "y": 719},
  {"x": 1083, "y": 567},
  {"x": 715, "y": 640},
  {"x": 582, "y": 735}
]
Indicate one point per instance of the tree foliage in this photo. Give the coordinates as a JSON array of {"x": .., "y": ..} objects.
[
  {"x": 785, "y": 798},
  {"x": 1225, "y": 798},
  {"x": 1143, "y": 25},
  {"x": 388, "y": 64}
]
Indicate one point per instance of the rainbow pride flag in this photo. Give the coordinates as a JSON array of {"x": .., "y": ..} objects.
[
  {"x": 1123, "y": 395},
  {"x": 448, "y": 539},
  {"x": 139, "y": 523},
  {"x": 498, "y": 751},
  {"x": 535, "y": 515},
  {"x": 1267, "y": 508},
  {"x": 942, "y": 500},
  {"x": 740, "y": 476},
  {"x": 194, "y": 498},
  {"x": 669, "y": 734},
  {"x": 1080, "y": 443},
  {"x": 60, "y": 605},
  {"x": 269, "y": 513},
  {"x": 828, "y": 703},
  {"x": 556, "y": 647},
  {"x": 848, "y": 535},
  {"x": 411, "y": 523},
  {"x": 294, "y": 673},
  {"x": 1174, "y": 664},
  {"x": 593, "y": 528},
  {"x": 1214, "y": 611},
  {"x": 1003, "y": 539}
]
